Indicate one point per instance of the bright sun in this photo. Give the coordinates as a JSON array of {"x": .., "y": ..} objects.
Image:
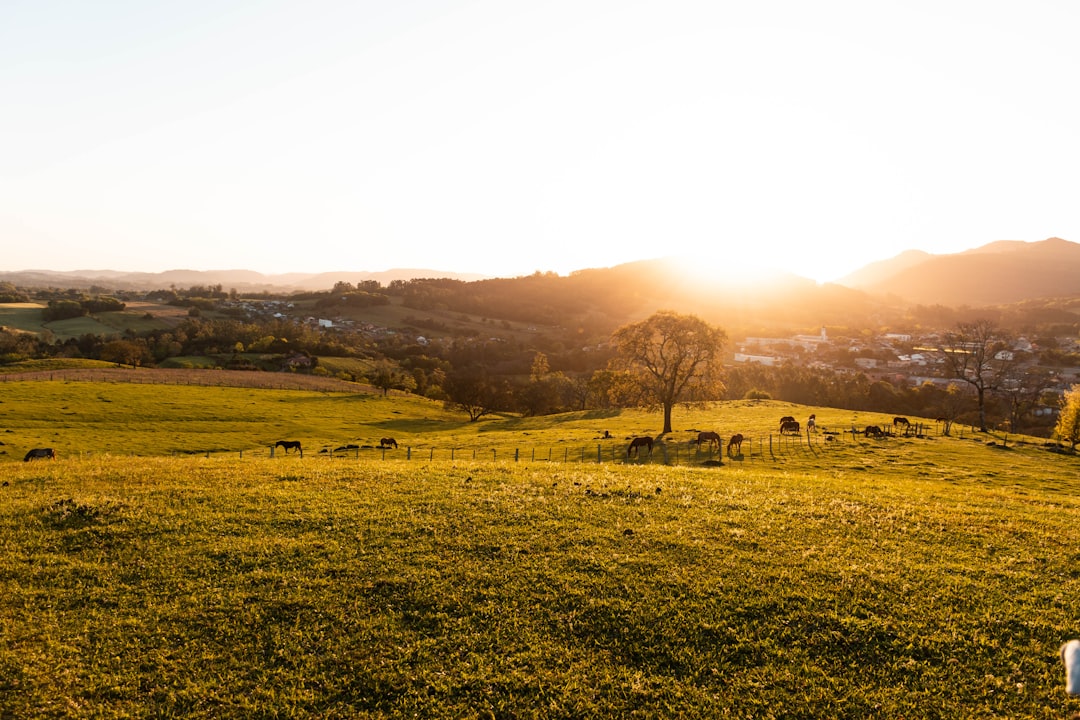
[{"x": 732, "y": 271}]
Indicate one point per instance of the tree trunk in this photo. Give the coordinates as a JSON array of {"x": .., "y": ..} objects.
[
  {"x": 667, "y": 418},
  {"x": 982, "y": 410}
]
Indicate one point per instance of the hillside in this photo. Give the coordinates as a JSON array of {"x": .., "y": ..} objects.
[
  {"x": 897, "y": 577},
  {"x": 245, "y": 280},
  {"x": 595, "y": 301},
  {"x": 994, "y": 274}
]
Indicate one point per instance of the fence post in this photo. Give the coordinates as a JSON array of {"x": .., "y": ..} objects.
[
  {"x": 516, "y": 454},
  {"x": 408, "y": 453}
]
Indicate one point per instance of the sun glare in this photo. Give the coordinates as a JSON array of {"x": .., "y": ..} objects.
[{"x": 730, "y": 271}]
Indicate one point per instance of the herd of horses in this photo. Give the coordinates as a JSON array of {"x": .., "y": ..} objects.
[
  {"x": 287, "y": 445},
  {"x": 788, "y": 426},
  {"x": 708, "y": 437}
]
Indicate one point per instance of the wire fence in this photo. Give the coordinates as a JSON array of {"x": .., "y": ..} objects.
[{"x": 769, "y": 447}]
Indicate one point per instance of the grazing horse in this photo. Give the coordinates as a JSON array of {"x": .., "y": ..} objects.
[
  {"x": 708, "y": 437},
  {"x": 784, "y": 420},
  {"x": 811, "y": 423},
  {"x": 790, "y": 426},
  {"x": 900, "y": 421},
  {"x": 40, "y": 454},
  {"x": 735, "y": 442},
  {"x": 289, "y": 445},
  {"x": 874, "y": 430},
  {"x": 388, "y": 442},
  {"x": 637, "y": 443}
]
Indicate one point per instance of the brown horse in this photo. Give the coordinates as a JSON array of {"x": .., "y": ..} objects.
[
  {"x": 900, "y": 421},
  {"x": 735, "y": 443},
  {"x": 784, "y": 420},
  {"x": 874, "y": 431},
  {"x": 638, "y": 443},
  {"x": 708, "y": 437},
  {"x": 40, "y": 454},
  {"x": 289, "y": 445},
  {"x": 790, "y": 426},
  {"x": 811, "y": 423},
  {"x": 387, "y": 443}
]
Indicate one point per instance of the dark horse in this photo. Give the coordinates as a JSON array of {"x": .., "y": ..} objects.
[
  {"x": 790, "y": 426},
  {"x": 708, "y": 437},
  {"x": 637, "y": 443},
  {"x": 898, "y": 421},
  {"x": 289, "y": 445},
  {"x": 735, "y": 443},
  {"x": 874, "y": 431},
  {"x": 785, "y": 420},
  {"x": 40, "y": 454},
  {"x": 388, "y": 442}
]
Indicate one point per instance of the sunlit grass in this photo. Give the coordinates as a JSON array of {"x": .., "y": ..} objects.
[
  {"x": 540, "y": 573},
  {"x": 238, "y": 588}
]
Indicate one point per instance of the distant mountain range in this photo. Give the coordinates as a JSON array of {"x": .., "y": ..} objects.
[
  {"x": 999, "y": 273},
  {"x": 239, "y": 279}
]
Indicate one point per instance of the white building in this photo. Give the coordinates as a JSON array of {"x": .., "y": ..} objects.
[{"x": 759, "y": 359}]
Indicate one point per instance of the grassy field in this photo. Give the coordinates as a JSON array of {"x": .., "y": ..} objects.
[
  {"x": 929, "y": 577},
  {"x": 134, "y": 418},
  {"x": 137, "y": 316}
]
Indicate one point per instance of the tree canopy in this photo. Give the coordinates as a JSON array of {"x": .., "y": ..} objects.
[{"x": 672, "y": 357}]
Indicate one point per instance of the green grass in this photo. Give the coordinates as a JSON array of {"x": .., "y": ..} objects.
[
  {"x": 191, "y": 361},
  {"x": 77, "y": 418},
  {"x": 28, "y": 317},
  {"x": 895, "y": 578},
  {"x": 45, "y": 364},
  {"x": 22, "y": 316},
  {"x": 354, "y": 366},
  {"x": 287, "y": 588}
]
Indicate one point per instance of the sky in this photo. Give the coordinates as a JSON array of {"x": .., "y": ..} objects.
[{"x": 505, "y": 137}]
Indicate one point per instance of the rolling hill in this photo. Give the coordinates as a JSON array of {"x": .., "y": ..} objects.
[{"x": 995, "y": 274}]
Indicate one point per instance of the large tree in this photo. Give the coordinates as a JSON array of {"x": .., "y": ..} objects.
[
  {"x": 979, "y": 353},
  {"x": 672, "y": 357},
  {"x": 474, "y": 391},
  {"x": 388, "y": 376}
]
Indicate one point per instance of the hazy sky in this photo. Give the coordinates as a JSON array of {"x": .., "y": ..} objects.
[{"x": 505, "y": 137}]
